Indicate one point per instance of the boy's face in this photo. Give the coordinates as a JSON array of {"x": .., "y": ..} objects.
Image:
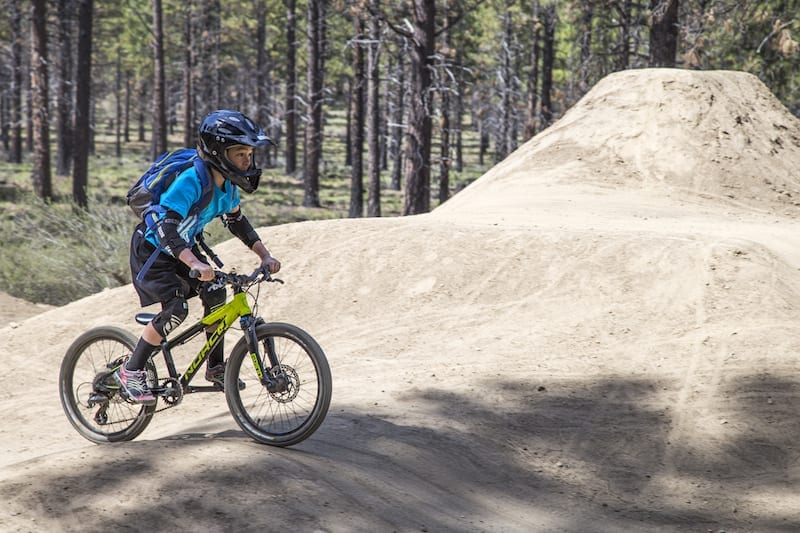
[{"x": 240, "y": 156}]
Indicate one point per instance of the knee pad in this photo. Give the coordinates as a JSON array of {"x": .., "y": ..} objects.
[{"x": 173, "y": 313}]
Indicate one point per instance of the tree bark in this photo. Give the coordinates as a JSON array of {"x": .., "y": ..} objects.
[
  {"x": 356, "y": 131},
  {"x": 444, "y": 132},
  {"x": 417, "y": 193},
  {"x": 64, "y": 131},
  {"x": 444, "y": 159},
  {"x": 664, "y": 33},
  {"x": 126, "y": 130},
  {"x": 397, "y": 119},
  {"x": 207, "y": 49},
  {"x": 586, "y": 46},
  {"x": 459, "y": 114},
  {"x": 15, "y": 26},
  {"x": 533, "y": 76},
  {"x": 548, "y": 64},
  {"x": 42, "y": 179},
  {"x": 118, "y": 102},
  {"x": 624, "y": 46},
  {"x": 291, "y": 88},
  {"x": 262, "y": 74},
  {"x": 189, "y": 121},
  {"x": 316, "y": 40},
  {"x": 373, "y": 117},
  {"x": 261, "y": 62},
  {"x": 159, "y": 82},
  {"x": 82, "y": 92},
  {"x": 506, "y": 88}
]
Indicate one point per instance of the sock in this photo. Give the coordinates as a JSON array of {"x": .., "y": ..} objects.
[
  {"x": 217, "y": 354},
  {"x": 140, "y": 355}
]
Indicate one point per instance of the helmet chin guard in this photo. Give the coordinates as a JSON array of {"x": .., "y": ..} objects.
[{"x": 224, "y": 129}]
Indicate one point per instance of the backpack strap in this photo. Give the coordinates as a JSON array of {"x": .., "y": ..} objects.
[
  {"x": 207, "y": 249},
  {"x": 149, "y": 262},
  {"x": 205, "y": 198},
  {"x": 206, "y": 186},
  {"x": 151, "y": 217}
]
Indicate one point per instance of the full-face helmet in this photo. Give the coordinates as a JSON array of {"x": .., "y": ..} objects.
[{"x": 224, "y": 129}]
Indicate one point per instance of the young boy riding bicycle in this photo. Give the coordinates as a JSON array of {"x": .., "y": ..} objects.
[{"x": 227, "y": 142}]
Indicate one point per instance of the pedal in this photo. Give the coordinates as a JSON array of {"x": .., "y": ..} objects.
[{"x": 97, "y": 398}]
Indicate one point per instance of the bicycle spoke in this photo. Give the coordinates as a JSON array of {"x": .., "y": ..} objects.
[
  {"x": 90, "y": 395},
  {"x": 292, "y": 413}
]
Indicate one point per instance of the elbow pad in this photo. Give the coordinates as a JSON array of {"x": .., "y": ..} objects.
[
  {"x": 239, "y": 225},
  {"x": 168, "y": 236}
]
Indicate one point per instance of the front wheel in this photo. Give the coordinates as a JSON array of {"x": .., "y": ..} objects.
[
  {"x": 90, "y": 394},
  {"x": 291, "y": 414}
]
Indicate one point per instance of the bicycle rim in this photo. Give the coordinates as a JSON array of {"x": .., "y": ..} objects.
[
  {"x": 104, "y": 417},
  {"x": 281, "y": 418}
]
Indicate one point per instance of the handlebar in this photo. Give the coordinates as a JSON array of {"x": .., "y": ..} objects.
[{"x": 240, "y": 280}]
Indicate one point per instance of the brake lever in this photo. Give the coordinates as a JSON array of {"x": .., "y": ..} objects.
[{"x": 266, "y": 276}]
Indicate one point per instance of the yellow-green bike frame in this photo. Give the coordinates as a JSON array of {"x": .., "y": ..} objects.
[{"x": 221, "y": 320}]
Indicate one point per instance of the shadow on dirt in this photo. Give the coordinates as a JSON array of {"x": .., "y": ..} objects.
[{"x": 568, "y": 456}]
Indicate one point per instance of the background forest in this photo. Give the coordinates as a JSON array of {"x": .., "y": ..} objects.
[{"x": 376, "y": 108}]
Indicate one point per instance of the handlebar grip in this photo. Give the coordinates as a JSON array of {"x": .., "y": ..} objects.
[{"x": 194, "y": 273}]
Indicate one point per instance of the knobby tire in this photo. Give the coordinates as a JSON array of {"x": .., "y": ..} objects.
[
  {"x": 282, "y": 418},
  {"x": 91, "y": 356}
]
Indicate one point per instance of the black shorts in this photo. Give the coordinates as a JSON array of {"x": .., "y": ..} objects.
[{"x": 166, "y": 278}]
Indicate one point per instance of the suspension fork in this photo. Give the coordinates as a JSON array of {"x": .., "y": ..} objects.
[
  {"x": 248, "y": 324},
  {"x": 272, "y": 378}
]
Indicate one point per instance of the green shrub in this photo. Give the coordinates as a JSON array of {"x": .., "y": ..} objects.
[{"x": 57, "y": 253}]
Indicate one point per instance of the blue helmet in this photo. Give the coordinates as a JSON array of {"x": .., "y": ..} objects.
[{"x": 223, "y": 129}]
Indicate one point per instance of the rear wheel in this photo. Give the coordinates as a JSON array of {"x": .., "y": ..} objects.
[
  {"x": 90, "y": 394},
  {"x": 293, "y": 412}
]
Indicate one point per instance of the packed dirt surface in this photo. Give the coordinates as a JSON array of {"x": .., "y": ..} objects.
[
  {"x": 600, "y": 334},
  {"x": 14, "y": 310}
]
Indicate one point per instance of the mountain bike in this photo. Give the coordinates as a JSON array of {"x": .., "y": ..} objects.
[{"x": 277, "y": 378}]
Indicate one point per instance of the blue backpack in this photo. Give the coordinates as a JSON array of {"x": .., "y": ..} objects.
[{"x": 144, "y": 196}]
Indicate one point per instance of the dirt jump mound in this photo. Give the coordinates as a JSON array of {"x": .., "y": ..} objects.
[{"x": 693, "y": 136}]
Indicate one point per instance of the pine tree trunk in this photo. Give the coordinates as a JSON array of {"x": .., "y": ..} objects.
[
  {"x": 417, "y": 175},
  {"x": 444, "y": 161},
  {"x": 15, "y": 26},
  {"x": 444, "y": 131},
  {"x": 397, "y": 119},
  {"x": 159, "y": 89},
  {"x": 664, "y": 33},
  {"x": 64, "y": 132},
  {"x": 356, "y": 131},
  {"x": 42, "y": 179},
  {"x": 291, "y": 87},
  {"x": 548, "y": 64},
  {"x": 373, "y": 117},
  {"x": 316, "y": 40},
  {"x": 261, "y": 62},
  {"x": 459, "y": 113},
  {"x": 82, "y": 92},
  {"x": 586, "y": 47},
  {"x": 533, "y": 76},
  {"x": 126, "y": 130},
  {"x": 118, "y": 102},
  {"x": 505, "y": 96},
  {"x": 189, "y": 122},
  {"x": 624, "y": 45}
]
